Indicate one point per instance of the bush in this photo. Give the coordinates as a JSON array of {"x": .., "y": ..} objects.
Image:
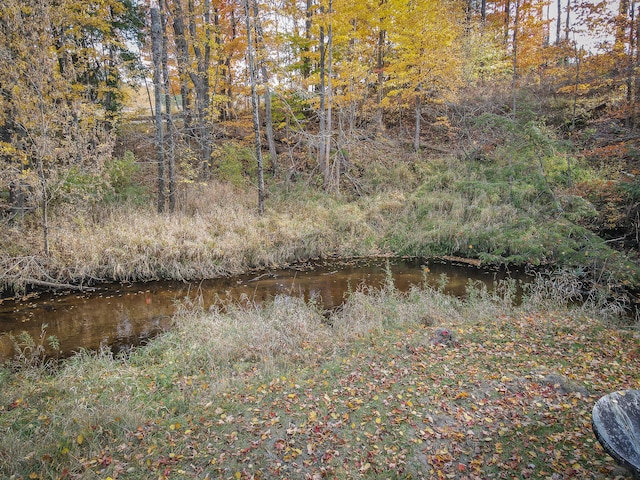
[
  {"x": 82, "y": 188},
  {"x": 234, "y": 163},
  {"x": 122, "y": 173},
  {"x": 291, "y": 110}
]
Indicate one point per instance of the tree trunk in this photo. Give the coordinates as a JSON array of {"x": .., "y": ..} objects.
[
  {"x": 514, "y": 80},
  {"x": 206, "y": 99},
  {"x": 322, "y": 113},
  {"x": 222, "y": 75},
  {"x": 576, "y": 85},
  {"x": 200, "y": 79},
  {"x": 306, "y": 66},
  {"x": 416, "y": 135},
  {"x": 227, "y": 108},
  {"x": 380, "y": 81},
  {"x": 44, "y": 205},
  {"x": 334, "y": 172},
  {"x": 156, "y": 50},
  {"x": 567, "y": 23},
  {"x": 636, "y": 80},
  {"x": 559, "y": 22},
  {"x": 271, "y": 141},
  {"x": 182, "y": 60},
  {"x": 112, "y": 81},
  {"x": 507, "y": 19},
  {"x": 630, "y": 65},
  {"x": 254, "y": 104},
  {"x": 170, "y": 153},
  {"x": 18, "y": 197}
]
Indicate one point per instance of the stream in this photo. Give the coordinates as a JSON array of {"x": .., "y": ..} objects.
[{"x": 119, "y": 316}]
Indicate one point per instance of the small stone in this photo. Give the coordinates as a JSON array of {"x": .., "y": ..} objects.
[{"x": 443, "y": 336}]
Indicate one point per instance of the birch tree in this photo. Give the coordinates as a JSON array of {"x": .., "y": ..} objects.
[
  {"x": 156, "y": 47},
  {"x": 170, "y": 126},
  {"x": 251, "y": 65}
]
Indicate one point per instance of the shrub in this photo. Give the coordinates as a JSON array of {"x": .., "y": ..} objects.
[
  {"x": 122, "y": 173},
  {"x": 81, "y": 188},
  {"x": 234, "y": 163}
]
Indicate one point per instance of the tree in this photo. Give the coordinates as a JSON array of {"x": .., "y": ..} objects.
[
  {"x": 611, "y": 65},
  {"x": 329, "y": 172},
  {"x": 156, "y": 43},
  {"x": 93, "y": 39},
  {"x": 200, "y": 33},
  {"x": 193, "y": 38},
  {"x": 267, "y": 90},
  {"x": 54, "y": 125},
  {"x": 176, "y": 13},
  {"x": 251, "y": 64},
  {"x": 426, "y": 58},
  {"x": 514, "y": 49},
  {"x": 171, "y": 129},
  {"x": 324, "y": 136}
]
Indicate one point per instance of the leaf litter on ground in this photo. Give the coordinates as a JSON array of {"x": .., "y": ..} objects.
[{"x": 511, "y": 398}]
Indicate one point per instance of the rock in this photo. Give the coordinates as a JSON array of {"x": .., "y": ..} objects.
[
  {"x": 564, "y": 385},
  {"x": 443, "y": 336},
  {"x": 616, "y": 424}
]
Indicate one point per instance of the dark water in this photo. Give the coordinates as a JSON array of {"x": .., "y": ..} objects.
[{"x": 119, "y": 316}]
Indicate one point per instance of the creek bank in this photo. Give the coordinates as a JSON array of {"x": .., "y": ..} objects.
[
  {"x": 32, "y": 288},
  {"x": 121, "y": 315}
]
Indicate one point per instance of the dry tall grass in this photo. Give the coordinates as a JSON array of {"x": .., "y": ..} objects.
[
  {"x": 431, "y": 207},
  {"x": 216, "y": 232}
]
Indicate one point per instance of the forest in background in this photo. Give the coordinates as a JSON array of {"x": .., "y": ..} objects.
[{"x": 518, "y": 118}]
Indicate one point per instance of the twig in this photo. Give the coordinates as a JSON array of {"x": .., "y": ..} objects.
[
  {"x": 62, "y": 286},
  {"x": 259, "y": 277},
  {"x": 615, "y": 239}
]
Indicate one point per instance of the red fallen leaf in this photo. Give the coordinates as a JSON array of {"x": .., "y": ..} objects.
[{"x": 462, "y": 467}]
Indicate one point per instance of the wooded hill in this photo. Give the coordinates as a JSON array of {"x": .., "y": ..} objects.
[{"x": 102, "y": 100}]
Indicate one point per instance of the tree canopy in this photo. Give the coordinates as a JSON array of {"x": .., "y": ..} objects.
[{"x": 330, "y": 67}]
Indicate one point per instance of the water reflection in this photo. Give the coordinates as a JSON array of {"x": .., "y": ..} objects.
[{"x": 119, "y": 316}]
